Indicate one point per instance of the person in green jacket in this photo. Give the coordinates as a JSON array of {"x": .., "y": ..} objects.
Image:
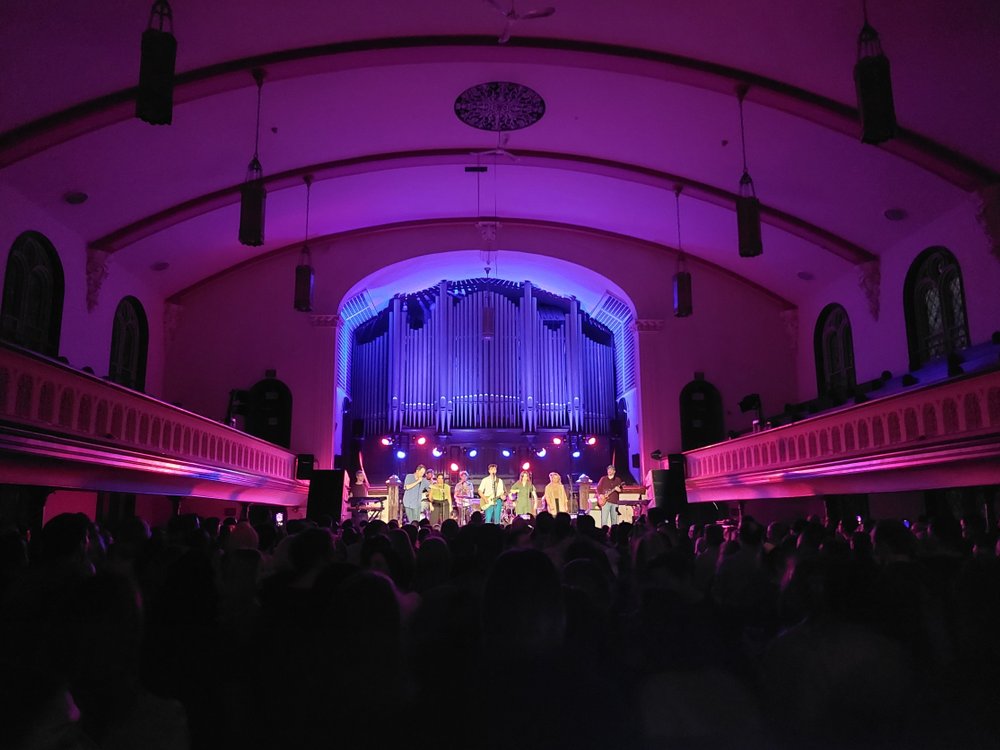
[{"x": 527, "y": 498}]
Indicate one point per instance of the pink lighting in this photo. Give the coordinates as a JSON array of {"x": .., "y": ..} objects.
[
  {"x": 386, "y": 441},
  {"x": 526, "y": 466},
  {"x": 557, "y": 441},
  {"x": 591, "y": 440},
  {"x": 453, "y": 467},
  {"x": 421, "y": 440}
]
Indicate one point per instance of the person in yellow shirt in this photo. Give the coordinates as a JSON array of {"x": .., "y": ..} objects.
[{"x": 440, "y": 497}]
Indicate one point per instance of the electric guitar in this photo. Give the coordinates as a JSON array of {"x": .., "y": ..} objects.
[
  {"x": 485, "y": 503},
  {"x": 602, "y": 497}
]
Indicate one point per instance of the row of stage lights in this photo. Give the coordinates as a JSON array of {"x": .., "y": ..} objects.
[{"x": 437, "y": 451}]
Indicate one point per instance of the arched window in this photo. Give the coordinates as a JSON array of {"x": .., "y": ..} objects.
[
  {"x": 31, "y": 314},
  {"x": 834, "y": 346},
  {"x": 934, "y": 305},
  {"x": 129, "y": 345},
  {"x": 701, "y": 414}
]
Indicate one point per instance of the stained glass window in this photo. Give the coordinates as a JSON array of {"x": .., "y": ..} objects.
[
  {"x": 936, "y": 324},
  {"x": 834, "y": 348},
  {"x": 31, "y": 314},
  {"x": 129, "y": 345}
]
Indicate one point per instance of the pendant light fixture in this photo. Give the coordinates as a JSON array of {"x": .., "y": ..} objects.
[
  {"x": 683, "y": 301},
  {"x": 252, "y": 192},
  {"x": 154, "y": 101},
  {"x": 747, "y": 205},
  {"x": 305, "y": 276},
  {"x": 873, "y": 83}
]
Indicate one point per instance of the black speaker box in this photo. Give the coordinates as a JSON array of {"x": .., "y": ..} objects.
[
  {"x": 327, "y": 491},
  {"x": 669, "y": 492},
  {"x": 305, "y": 463}
]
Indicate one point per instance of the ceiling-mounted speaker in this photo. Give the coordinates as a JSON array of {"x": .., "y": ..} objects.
[
  {"x": 683, "y": 299},
  {"x": 154, "y": 101},
  {"x": 873, "y": 84},
  {"x": 253, "y": 196},
  {"x": 748, "y": 226},
  {"x": 305, "y": 279}
]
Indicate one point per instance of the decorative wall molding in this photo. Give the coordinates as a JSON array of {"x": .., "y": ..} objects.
[
  {"x": 791, "y": 320},
  {"x": 171, "y": 319},
  {"x": 649, "y": 325},
  {"x": 941, "y": 435},
  {"x": 989, "y": 216},
  {"x": 97, "y": 272},
  {"x": 870, "y": 281},
  {"x": 318, "y": 320}
]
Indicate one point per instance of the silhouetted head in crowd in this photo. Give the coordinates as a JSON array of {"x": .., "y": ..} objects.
[
  {"x": 348, "y": 535},
  {"x": 65, "y": 540},
  {"x": 892, "y": 541},
  {"x": 410, "y": 530},
  {"x": 523, "y": 603},
  {"x": 476, "y": 517},
  {"x": 132, "y": 537},
  {"x": 310, "y": 550},
  {"x": 714, "y": 535},
  {"x": 586, "y": 524},
  {"x": 449, "y": 529},
  {"x": 375, "y": 528},
  {"x": 656, "y": 516},
  {"x": 433, "y": 565},
  {"x": 211, "y": 526},
  {"x": 751, "y": 533},
  {"x": 243, "y": 536}
]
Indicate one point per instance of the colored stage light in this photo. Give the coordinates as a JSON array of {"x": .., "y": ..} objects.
[
  {"x": 526, "y": 466},
  {"x": 400, "y": 454},
  {"x": 541, "y": 452},
  {"x": 386, "y": 441},
  {"x": 591, "y": 440},
  {"x": 437, "y": 452},
  {"x": 453, "y": 467},
  {"x": 421, "y": 440},
  {"x": 557, "y": 441},
  {"x": 575, "y": 454},
  {"x": 473, "y": 453},
  {"x": 505, "y": 453}
]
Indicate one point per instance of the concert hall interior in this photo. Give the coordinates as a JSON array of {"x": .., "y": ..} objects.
[{"x": 745, "y": 252}]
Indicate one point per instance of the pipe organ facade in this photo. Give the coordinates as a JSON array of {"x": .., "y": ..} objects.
[{"x": 483, "y": 354}]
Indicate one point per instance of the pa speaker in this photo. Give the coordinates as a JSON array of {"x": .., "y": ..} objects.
[
  {"x": 327, "y": 491},
  {"x": 305, "y": 463},
  {"x": 668, "y": 486}
]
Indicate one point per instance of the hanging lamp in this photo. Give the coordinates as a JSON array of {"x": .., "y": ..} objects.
[
  {"x": 873, "y": 84},
  {"x": 253, "y": 193},
  {"x": 747, "y": 205},
  {"x": 154, "y": 101},
  {"x": 683, "y": 301},
  {"x": 305, "y": 276}
]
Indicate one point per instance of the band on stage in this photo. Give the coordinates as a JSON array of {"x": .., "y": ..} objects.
[{"x": 423, "y": 494}]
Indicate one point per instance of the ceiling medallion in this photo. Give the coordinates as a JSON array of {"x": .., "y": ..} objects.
[{"x": 499, "y": 106}]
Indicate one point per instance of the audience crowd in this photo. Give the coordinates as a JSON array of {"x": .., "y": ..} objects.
[{"x": 547, "y": 633}]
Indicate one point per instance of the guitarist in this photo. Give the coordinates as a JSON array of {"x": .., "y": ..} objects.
[
  {"x": 491, "y": 495},
  {"x": 607, "y": 497}
]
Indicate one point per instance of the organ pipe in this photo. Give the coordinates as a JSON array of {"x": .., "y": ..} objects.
[{"x": 543, "y": 368}]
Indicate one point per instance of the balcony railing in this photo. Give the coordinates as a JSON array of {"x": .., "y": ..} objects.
[
  {"x": 65, "y": 428},
  {"x": 942, "y": 435}
]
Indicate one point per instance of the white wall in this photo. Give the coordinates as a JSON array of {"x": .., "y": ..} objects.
[
  {"x": 237, "y": 326},
  {"x": 881, "y": 345},
  {"x": 86, "y": 336}
]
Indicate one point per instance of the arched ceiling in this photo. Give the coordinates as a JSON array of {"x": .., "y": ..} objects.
[{"x": 639, "y": 98}]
